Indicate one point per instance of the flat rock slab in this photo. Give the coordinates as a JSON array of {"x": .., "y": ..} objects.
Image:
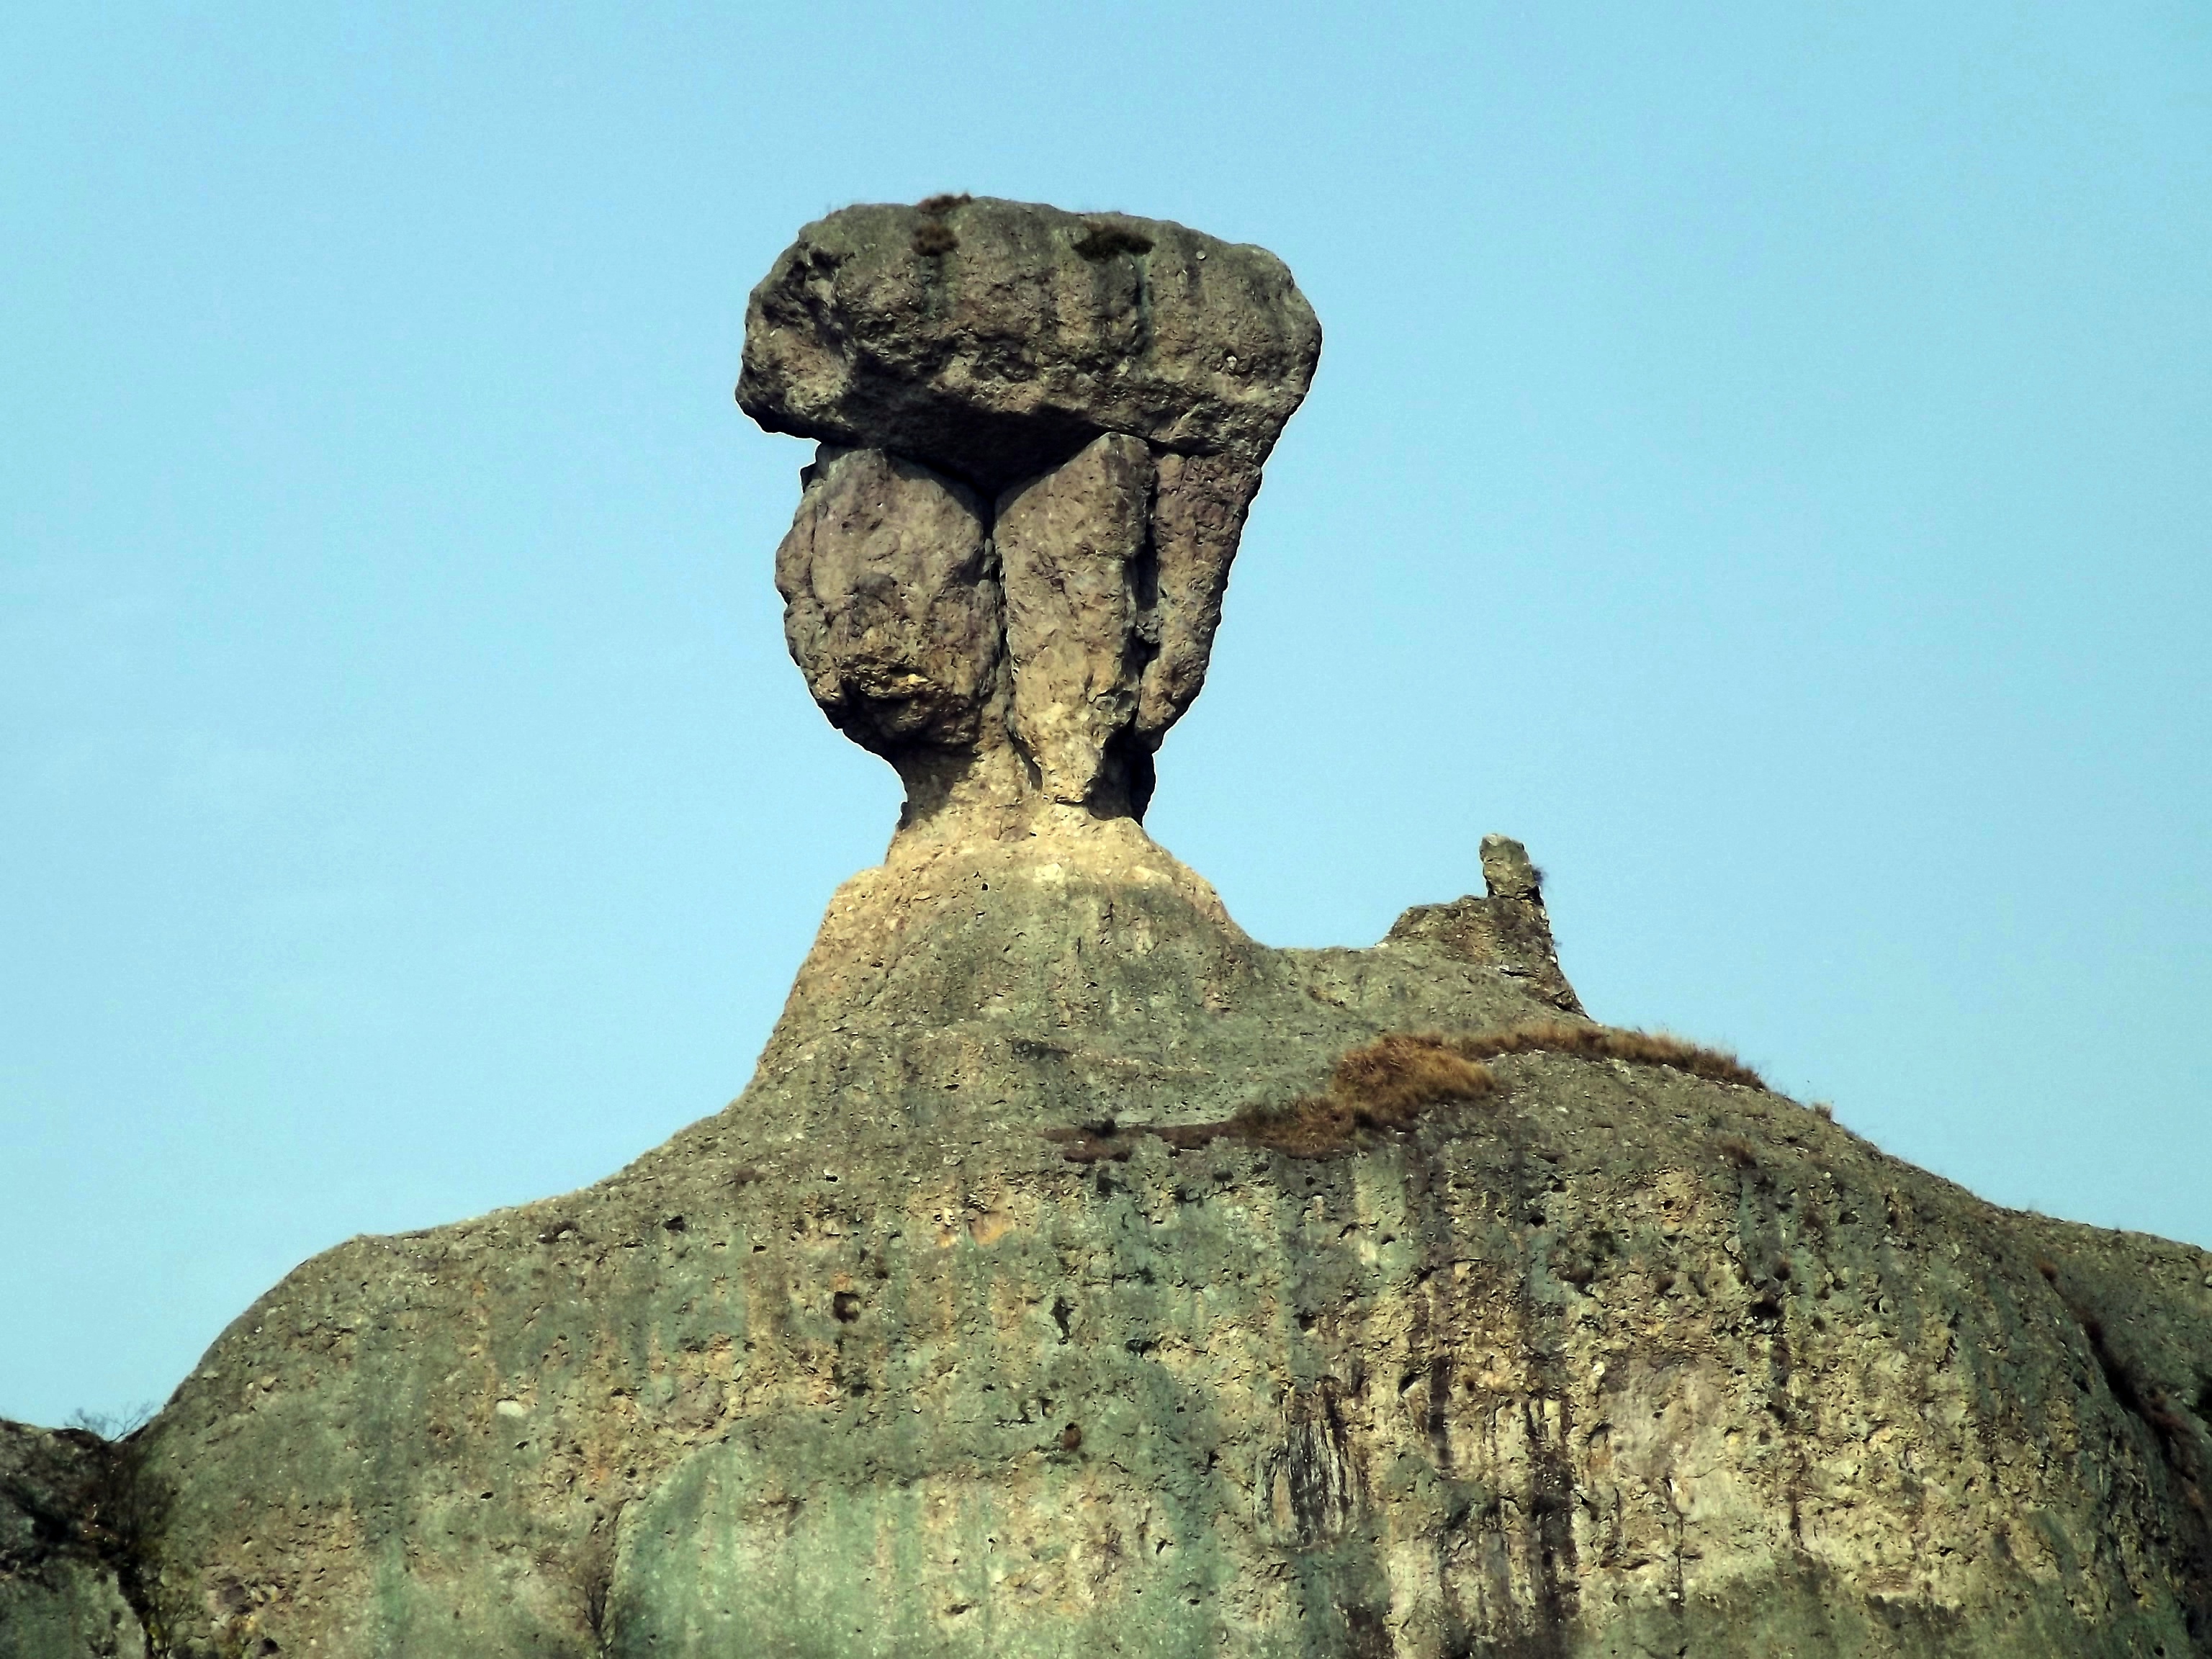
[{"x": 995, "y": 339}]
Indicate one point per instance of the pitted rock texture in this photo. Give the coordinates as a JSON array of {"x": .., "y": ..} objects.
[
  {"x": 1111, "y": 386},
  {"x": 891, "y": 610},
  {"x": 994, "y": 339},
  {"x": 975, "y": 1328},
  {"x": 1072, "y": 546},
  {"x": 1613, "y": 1362}
]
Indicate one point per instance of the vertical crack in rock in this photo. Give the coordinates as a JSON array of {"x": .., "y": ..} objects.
[
  {"x": 1070, "y": 543},
  {"x": 1310, "y": 1482}
]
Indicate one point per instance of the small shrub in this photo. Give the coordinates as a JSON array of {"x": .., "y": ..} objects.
[
  {"x": 1738, "y": 1151},
  {"x": 938, "y": 206},
  {"x": 932, "y": 237},
  {"x": 113, "y": 1425},
  {"x": 1101, "y": 240}
]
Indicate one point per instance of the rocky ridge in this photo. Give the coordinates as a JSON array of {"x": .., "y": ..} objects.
[{"x": 997, "y": 1317}]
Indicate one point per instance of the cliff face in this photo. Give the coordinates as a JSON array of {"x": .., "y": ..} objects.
[
  {"x": 1058, "y": 1286},
  {"x": 1613, "y": 1361}
]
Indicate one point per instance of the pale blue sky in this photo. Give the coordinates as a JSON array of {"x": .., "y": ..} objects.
[{"x": 1759, "y": 457}]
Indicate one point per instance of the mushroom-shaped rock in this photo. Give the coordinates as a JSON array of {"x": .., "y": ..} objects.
[{"x": 1040, "y": 433}]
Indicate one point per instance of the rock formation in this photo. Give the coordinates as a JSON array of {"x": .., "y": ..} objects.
[
  {"x": 1040, "y": 434},
  {"x": 1077, "y": 1275}
]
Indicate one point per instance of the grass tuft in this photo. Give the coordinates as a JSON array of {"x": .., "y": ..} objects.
[
  {"x": 1560, "y": 1036},
  {"x": 1387, "y": 1084}
]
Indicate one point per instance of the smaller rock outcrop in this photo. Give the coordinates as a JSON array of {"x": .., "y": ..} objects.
[
  {"x": 70, "y": 1508},
  {"x": 1507, "y": 926},
  {"x": 1040, "y": 433}
]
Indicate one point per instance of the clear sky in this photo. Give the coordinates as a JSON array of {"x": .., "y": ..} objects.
[{"x": 1760, "y": 457}]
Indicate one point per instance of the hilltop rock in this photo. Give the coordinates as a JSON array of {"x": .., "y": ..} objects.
[
  {"x": 1111, "y": 386},
  {"x": 979, "y": 1326}
]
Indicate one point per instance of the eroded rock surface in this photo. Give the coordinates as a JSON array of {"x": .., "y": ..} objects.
[
  {"x": 1110, "y": 386},
  {"x": 1072, "y": 546},
  {"x": 891, "y": 609},
  {"x": 1615, "y": 1361},
  {"x": 69, "y": 1524},
  {"x": 994, "y": 339}
]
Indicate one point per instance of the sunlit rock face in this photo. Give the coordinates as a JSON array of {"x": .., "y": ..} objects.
[
  {"x": 1110, "y": 387},
  {"x": 1000, "y": 1317}
]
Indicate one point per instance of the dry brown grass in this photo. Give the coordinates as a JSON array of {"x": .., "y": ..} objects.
[
  {"x": 938, "y": 206},
  {"x": 1386, "y": 1086},
  {"x": 1560, "y": 1036}
]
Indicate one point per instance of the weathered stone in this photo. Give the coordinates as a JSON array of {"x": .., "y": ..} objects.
[
  {"x": 997, "y": 1317},
  {"x": 1197, "y": 516},
  {"x": 1508, "y": 927},
  {"x": 1072, "y": 546},
  {"x": 994, "y": 339},
  {"x": 891, "y": 611},
  {"x": 1015, "y": 346},
  {"x": 1508, "y": 873}
]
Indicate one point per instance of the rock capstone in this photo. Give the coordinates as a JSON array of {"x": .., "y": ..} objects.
[{"x": 994, "y": 339}]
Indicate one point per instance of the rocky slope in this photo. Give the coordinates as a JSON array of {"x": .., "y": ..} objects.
[{"x": 1057, "y": 1287}]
